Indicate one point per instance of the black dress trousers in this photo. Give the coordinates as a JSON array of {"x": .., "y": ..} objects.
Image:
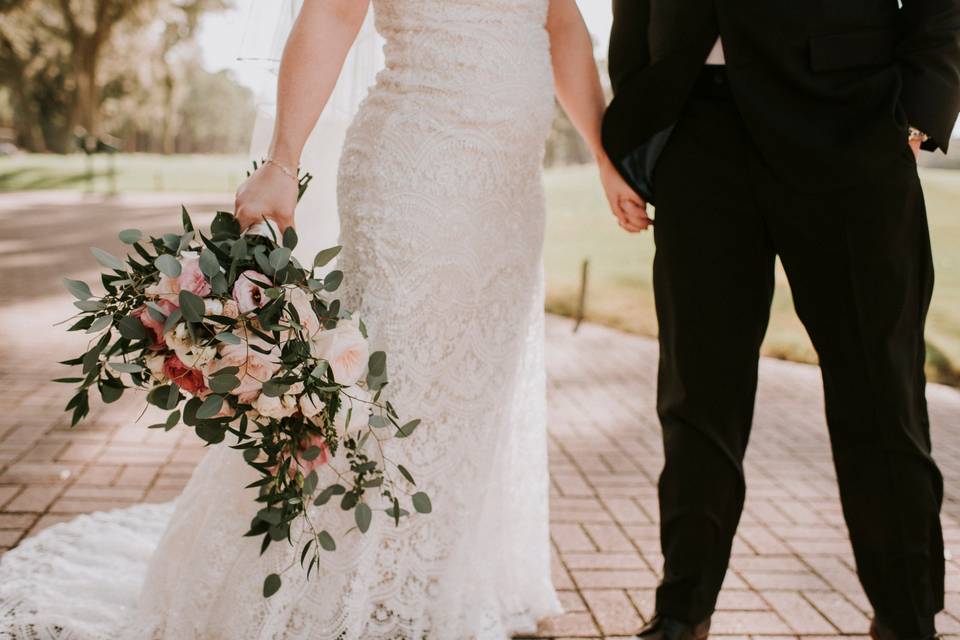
[{"x": 859, "y": 266}]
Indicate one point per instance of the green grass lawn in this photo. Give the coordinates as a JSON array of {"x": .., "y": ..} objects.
[
  {"x": 580, "y": 228},
  {"x": 134, "y": 172},
  {"x": 620, "y": 291}
]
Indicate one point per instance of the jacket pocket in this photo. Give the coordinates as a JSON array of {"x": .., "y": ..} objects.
[{"x": 841, "y": 51}]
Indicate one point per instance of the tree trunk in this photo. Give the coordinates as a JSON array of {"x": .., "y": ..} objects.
[{"x": 86, "y": 106}]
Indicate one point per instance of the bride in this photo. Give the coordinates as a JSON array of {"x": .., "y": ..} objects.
[{"x": 442, "y": 223}]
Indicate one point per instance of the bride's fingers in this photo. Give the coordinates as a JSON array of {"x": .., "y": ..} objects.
[{"x": 636, "y": 214}]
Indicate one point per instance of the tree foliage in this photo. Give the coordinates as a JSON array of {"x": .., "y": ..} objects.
[{"x": 119, "y": 67}]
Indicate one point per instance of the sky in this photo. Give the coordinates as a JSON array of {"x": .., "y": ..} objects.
[{"x": 221, "y": 34}]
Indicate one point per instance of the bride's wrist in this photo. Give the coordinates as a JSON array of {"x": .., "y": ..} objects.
[
  {"x": 291, "y": 172},
  {"x": 602, "y": 159}
]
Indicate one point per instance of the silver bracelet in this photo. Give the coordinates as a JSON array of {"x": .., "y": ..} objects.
[{"x": 284, "y": 170}]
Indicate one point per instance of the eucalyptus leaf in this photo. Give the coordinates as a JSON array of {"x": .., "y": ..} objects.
[
  {"x": 168, "y": 265},
  {"x": 290, "y": 238},
  {"x": 333, "y": 280},
  {"x": 407, "y": 429},
  {"x": 280, "y": 258},
  {"x": 131, "y": 328},
  {"x": 406, "y": 474},
  {"x": 210, "y": 407},
  {"x": 192, "y": 306},
  {"x": 421, "y": 502},
  {"x": 100, "y": 324},
  {"x": 274, "y": 389},
  {"x": 78, "y": 289},
  {"x": 89, "y": 305},
  {"x": 126, "y": 367},
  {"x": 228, "y": 338},
  {"x": 324, "y": 257},
  {"x": 209, "y": 265},
  {"x": 378, "y": 363},
  {"x": 363, "y": 515},
  {"x": 224, "y": 383},
  {"x": 108, "y": 260},
  {"x": 271, "y": 585},
  {"x": 130, "y": 236},
  {"x": 329, "y": 492},
  {"x": 311, "y": 453},
  {"x": 326, "y": 541},
  {"x": 310, "y": 483}
]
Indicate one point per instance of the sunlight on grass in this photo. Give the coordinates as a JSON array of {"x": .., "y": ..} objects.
[
  {"x": 134, "y": 172},
  {"x": 620, "y": 292},
  {"x": 580, "y": 228}
]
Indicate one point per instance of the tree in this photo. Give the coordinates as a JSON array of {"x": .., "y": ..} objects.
[{"x": 61, "y": 61}]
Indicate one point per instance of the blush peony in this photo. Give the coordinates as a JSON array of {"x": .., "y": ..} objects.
[
  {"x": 345, "y": 349},
  {"x": 308, "y": 318},
  {"x": 255, "y": 367}
]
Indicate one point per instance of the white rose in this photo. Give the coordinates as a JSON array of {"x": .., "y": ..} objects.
[
  {"x": 310, "y": 407},
  {"x": 155, "y": 365},
  {"x": 301, "y": 302},
  {"x": 345, "y": 349},
  {"x": 212, "y": 307},
  {"x": 191, "y": 354},
  {"x": 276, "y": 408}
]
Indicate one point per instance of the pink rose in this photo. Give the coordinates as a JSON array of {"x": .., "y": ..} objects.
[
  {"x": 191, "y": 278},
  {"x": 345, "y": 350},
  {"x": 300, "y": 301},
  {"x": 249, "y": 295},
  {"x": 190, "y": 380},
  {"x": 314, "y": 440},
  {"x": 302, "y": 465},
  {"x": 152, "y": 324},
  {"x": 255, "y": 367}
]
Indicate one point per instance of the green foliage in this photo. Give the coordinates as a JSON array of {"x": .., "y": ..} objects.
[{"x": 285, "y": 451}]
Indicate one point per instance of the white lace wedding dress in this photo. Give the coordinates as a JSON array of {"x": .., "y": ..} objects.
[{"x": 442, "y": 219}]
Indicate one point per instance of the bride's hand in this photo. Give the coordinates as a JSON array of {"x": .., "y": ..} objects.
[
  {"x": 629, "y": 208},
  {"x": 268, "y": 193}
]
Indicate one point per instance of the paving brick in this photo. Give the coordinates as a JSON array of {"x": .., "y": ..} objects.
[
  {"x": 592, "y": 579},
  {"x": 748, "y": 622},
  {"x": 574, "y": 625},
  {"x": 35, "y": 499},
  {"x": 571, "y": 537},
  {"x": 7, "y": 492},
  {"x": 792, "y": 573},
  {"x": 838, "y": 610},
  {"x": 580, "y": 560},
  {"x": 613, "y": 611},
  {"x": 608, "y": 537},
  {"x": 799, "y": 615}
]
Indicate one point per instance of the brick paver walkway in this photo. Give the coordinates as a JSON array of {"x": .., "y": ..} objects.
[{"x": 792, "y": 569}]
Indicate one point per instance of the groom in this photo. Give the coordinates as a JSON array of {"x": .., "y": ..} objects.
[{"x": 790, "y": 129}]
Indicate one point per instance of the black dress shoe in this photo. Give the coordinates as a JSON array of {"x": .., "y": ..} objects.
[
  {"x": 669, "y": 629},
  {"x": 878, "y": 631}
]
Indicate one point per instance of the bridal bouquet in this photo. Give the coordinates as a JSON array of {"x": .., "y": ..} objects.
[{"x": 233, "y": 337}]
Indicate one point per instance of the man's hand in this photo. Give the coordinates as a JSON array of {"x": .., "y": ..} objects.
[{"x": 629, "y": 208}]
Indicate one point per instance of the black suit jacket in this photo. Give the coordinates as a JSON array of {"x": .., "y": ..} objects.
[{"x": 827, "y": 88}]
